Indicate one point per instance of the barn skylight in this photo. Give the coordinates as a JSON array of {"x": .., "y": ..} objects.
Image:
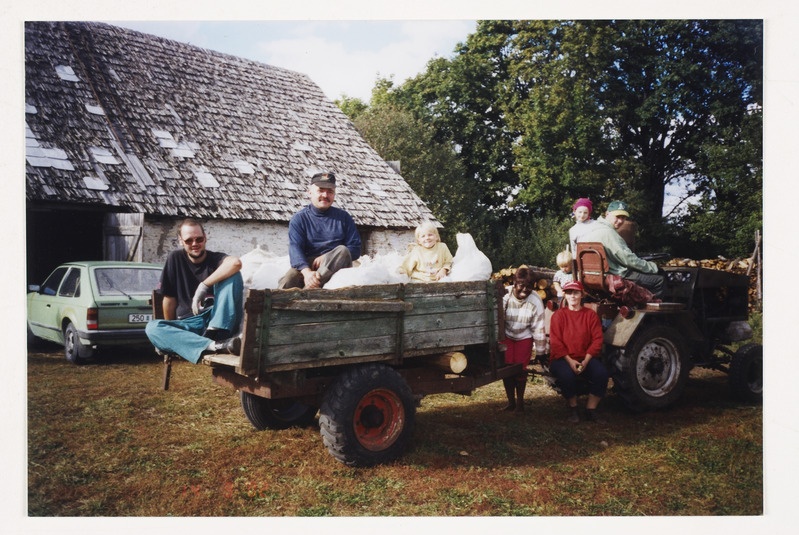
[
  {"x": 65, "y": 72},
  {"x": 95, "y": 110},
  {"x": 206, "y": 179},
  {"x": 92, "y": 182},
  {"x": 244, "y": 167},
  {"x": 378, "y": 190},
  {"x": 104, "y": 155},
  {"x": 39, "y": 156}
]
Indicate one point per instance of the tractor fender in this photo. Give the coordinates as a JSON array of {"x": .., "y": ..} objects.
[{"x": 621, "y": 330}]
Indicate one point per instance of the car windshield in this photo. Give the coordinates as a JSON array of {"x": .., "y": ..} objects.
[{"x": 126, "y": 280}]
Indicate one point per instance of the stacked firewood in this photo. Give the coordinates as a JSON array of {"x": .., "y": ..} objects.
[
  {"x": 738, "y": 265},
  {"x": 541, "y": 276}
]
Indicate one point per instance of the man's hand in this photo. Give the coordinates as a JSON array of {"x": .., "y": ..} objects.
[
  {"x": 199, "y": 296},
  {"x": 312, "y": 279}
]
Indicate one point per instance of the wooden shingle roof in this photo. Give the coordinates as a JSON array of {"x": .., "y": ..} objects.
[{"x": 128, "y": 120}]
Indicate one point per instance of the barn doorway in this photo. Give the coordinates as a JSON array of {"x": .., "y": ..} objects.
[{"x": 57, "y": 234}]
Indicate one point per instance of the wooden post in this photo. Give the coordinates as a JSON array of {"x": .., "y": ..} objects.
[{"x": 167, "y": 370}]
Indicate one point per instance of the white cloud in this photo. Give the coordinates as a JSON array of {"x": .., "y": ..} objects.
[{"x": 347, "y": 58}]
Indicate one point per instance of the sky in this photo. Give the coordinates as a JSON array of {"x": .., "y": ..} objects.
[{"x": 341, "y": 57}]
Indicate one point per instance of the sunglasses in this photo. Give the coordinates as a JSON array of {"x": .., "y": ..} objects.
[{"x": 191, "y": 241}]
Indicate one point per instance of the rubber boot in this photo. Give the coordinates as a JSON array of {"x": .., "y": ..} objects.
[
  {"x": 521, "y": 384},
  {"x": 510, "y": 388}
]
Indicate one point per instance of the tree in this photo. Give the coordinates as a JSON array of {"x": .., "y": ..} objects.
[
  {"x": 431, "y": 168},
  {"x": 351, "y": 106},
  {"x": 459, "y": 99},
  {"x": 543, "y": 112}
]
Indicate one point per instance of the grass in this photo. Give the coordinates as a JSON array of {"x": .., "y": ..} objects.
[{"x": 105, "y": 440}]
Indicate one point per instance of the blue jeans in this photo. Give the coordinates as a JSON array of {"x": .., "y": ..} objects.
[
  {"x": 595, "y": 372},
  {"x": 185, "y": 337}
]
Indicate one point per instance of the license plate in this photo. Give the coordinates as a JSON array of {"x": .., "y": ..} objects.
[{"x": 139, "y": 318}]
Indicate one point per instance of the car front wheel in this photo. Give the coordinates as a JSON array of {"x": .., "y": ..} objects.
[{"x": 75, "y": 352}]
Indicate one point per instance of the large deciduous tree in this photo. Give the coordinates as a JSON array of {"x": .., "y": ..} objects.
[{"x": 543, "y": 112}]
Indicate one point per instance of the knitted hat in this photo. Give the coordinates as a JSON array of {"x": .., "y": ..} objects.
[{"x": 583, "y": 202}]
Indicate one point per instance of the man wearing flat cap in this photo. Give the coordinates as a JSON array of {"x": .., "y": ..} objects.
[
  {"x": 621, "y": 260},
  {"x": 322, "y": 238}
]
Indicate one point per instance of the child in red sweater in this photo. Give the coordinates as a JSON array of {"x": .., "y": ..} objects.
[{"x": 575, "y": 338}]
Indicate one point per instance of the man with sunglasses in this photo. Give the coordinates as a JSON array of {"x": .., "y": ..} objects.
[{"x": 190, "y": 276}]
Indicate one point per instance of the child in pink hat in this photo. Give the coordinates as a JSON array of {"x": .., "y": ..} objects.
[{"x": 582, "y": 216}]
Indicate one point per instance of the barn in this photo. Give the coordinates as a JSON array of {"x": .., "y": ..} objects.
[{"x": 127, "y": 133}]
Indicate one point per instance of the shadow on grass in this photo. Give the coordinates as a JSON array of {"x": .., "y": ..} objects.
[
  {"x": 474, "y": 432},
  {"x": 48, "y": 352}
]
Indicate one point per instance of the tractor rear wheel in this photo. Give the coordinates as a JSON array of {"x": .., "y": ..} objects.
[{"x": 651, "y": 373}]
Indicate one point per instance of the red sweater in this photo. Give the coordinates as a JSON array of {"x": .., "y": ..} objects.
[{"x": 575, "y": 334}]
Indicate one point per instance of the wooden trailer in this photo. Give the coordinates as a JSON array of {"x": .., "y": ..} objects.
[{"x": 362, "y": 357}]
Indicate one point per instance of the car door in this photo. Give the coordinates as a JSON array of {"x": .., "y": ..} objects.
[{"x": 44, "y": 306}]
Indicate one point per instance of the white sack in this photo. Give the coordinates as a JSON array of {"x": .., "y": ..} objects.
[
  {"x": 269, "y": 273},
  {"x": 469, "y": 263},
  {"x": 250, "y": 262},
  {"x": 380, "y": 270}
]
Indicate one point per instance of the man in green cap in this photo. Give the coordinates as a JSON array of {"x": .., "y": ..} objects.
[{"x": 621, "y": 260}]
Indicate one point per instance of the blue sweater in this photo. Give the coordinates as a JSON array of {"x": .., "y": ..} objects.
[{"x": 313, "y": 232}]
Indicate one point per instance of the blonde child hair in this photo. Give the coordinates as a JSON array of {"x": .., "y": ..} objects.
[
  {"x": 427, "y": 226},
  {"x": 564, "y": 258}
]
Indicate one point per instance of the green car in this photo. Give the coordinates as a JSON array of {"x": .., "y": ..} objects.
[{"x": 86, "y": 305}]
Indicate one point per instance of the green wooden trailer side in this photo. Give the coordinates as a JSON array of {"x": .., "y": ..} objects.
[{"x": 295, "y": 341}]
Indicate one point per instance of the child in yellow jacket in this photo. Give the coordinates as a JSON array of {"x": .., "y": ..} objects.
[{"x": 429, "y": 259}]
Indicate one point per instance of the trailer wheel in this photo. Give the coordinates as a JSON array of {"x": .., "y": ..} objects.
[
  {"x": 653, "y": 371},
  {"x": 746, "y": 374},
  {"x": 367, "y": 416},
  {"x": 264, "y": 413}
]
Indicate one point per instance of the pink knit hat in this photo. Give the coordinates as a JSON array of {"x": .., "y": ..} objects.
[{"x": 583, "y": 202}]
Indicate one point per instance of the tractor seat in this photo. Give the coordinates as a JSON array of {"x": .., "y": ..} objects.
[{"x": 592, "y": 266}]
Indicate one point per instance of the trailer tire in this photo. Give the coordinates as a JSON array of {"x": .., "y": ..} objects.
[
  {"x": 652, "y": 372},
  {"x": 746, "y": 374},
  {"x": 264, "y": 413},
  {"x": 367, "y": 416}
]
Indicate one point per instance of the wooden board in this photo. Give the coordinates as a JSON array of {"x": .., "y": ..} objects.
[{"x": 293, "y": 329}]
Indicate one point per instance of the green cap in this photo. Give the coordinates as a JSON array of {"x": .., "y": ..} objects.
[{"x": 618, "y": 208}]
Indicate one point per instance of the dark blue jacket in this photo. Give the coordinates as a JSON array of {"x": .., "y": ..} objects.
[{"x": 313, "y": 232}]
